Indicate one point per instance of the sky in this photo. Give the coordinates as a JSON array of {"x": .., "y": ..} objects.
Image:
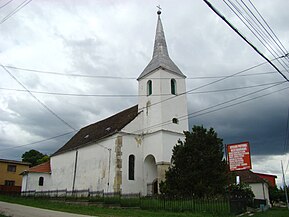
[{"x": 46, "y": 42}]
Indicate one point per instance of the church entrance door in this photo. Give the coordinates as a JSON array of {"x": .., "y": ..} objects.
[{"x": 150, "y": 175}]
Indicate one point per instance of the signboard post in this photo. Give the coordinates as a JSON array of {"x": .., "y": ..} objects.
[{"x": 239, "y": 156}]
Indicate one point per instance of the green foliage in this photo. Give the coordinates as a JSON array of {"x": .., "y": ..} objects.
[
  {"x": 198, "y": 166},
  {"x": 277, "y": 194},
  {"x": 241, "y": 191},
  {"x": 34, "y": 157},
  {"x": 101, "y": 211}
]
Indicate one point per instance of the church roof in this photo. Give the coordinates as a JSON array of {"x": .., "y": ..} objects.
[
  {"x": 161, "y": 58},
  {"x": 100, "y": 130}
]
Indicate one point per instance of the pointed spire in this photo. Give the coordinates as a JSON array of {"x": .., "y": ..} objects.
[
  {"x": 160, "y": 57},
  {"x": 160, "y": 47}
]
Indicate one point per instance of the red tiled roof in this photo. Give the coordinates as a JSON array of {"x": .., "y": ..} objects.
[
  {"x": 41, "y": 168},
  {"x": 264, "y": 174},
  {"x": 247, "y": 176},
  {"x": 99, "y": 130}
]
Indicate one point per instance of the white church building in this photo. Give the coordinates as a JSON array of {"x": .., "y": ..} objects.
[{"x": 130, "y": 151}]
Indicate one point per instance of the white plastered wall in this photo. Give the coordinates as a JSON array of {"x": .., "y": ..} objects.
[
  {"x": 156, "y": 115},
  {"x": 260, "y": 190},
  {"x": 95, "y": 169},
  {"x": 30, "y": 182}
]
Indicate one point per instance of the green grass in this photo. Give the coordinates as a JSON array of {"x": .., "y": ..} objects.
[
  {"x": 274, "y": 212},
  {"x": 98, "y": 211}
]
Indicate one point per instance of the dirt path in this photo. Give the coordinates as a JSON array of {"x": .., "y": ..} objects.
[{"x": 15, "y": 210}]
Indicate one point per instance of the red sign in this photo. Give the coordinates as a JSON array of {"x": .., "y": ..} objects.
[{"x": 239, "y": 156}]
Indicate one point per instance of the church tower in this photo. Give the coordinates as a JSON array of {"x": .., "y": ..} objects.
[
  {"x": 163, "y": 114},
  {"x": 162, "y": 90}
]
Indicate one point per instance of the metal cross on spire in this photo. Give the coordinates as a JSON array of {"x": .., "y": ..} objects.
[{"x": 159, "y": 11}]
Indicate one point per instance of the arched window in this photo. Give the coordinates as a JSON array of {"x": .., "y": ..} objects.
[
  {"x": 149, "y": 87},
  {"x": 173, "y": 86},
  {"x": 131, "y": 162},
  {"x": 41, "y": 181}
]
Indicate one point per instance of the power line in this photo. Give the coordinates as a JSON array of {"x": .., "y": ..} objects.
[
  {"x": 2, "y": 6},
  {"x": 39, "y": 141},
  {"x": 195, "y": 114},
  {"x": 41, "y": 103},
  {"x": 286, "y": 51},
  {"x": 120, "y": 77},
  {"x": 244, "y": 38},
  {"x": 166, "y": 122},
  {"x": 263, "y": 27},
  {"x": 208, "y": 84},
  {"x": 19, "y": 7},
  {"x": 135, "y": 95},
  {"x": 256, "y": 30}
]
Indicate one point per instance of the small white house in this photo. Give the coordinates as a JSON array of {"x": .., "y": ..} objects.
[
  {"x": 130, "y": 151},
  {"x": 37, "y": 178},
  {"x": 259, "y": 186}
]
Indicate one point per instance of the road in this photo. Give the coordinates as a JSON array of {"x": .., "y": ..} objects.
[{"x": 15, "y": 210}]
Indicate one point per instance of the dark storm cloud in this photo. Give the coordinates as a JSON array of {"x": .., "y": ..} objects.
[{"x": 116, "y": 39}]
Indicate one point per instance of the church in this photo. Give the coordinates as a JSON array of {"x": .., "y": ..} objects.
[{"x": 130, "y": 151}]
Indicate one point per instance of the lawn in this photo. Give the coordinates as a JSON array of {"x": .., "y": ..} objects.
[
  {"x": 100, "y": 211},
  {"x": 119, "y": 212},
  {"x": 274, "y": 212}
]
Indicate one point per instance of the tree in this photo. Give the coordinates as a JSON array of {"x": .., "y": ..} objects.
[
  {"x": 198, "y": 166},
  {"x": 277, "y": 194},
  {"x": 34, "y": 157},
  {"x": 241, "y": 191}
]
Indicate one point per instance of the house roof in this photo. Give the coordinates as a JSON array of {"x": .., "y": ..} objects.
[
  {"x": 41, "y": 168},
  {"x": 264, "y": 174},
  {"x": 100, "y": 130},
  {"x": 247, "y": 176},
  {"x": 161, "y": 58},
  {"x": 14, "y": 162}
]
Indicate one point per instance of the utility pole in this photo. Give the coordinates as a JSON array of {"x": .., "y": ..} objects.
[{"x": 284, "y": 185}]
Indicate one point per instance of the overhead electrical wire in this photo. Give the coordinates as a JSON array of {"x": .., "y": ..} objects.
[
  {"x": 136, "y": 95},
  {"x": 256, "y": 30},
  {"x": 132, "y": 78},
  {"x": 190, "y": 115},
  {"x": 210, "y": 83},
  {"x": 2, "y": 6},
  {"x": 232, "y": 75},
  {"x": 235, "y": 74},
  {"x": 195, "y": 114},
  {"x": 19, "y": 7},
  {"x": 271, "y": 38},
  {"x": 41, "y": 103},
  {"x": 285, "y": 50},
  {"x": 244, "y": 38}
]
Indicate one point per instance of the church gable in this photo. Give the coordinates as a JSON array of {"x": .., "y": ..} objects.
[{"x": 100, "y": 130}]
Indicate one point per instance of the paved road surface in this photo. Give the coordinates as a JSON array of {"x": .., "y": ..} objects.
[{"x": 16, "y": 210}]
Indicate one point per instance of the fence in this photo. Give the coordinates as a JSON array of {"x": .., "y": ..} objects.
[
  {"x": 12, "y": 190},
  {"x": 214, "y": 205}
]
